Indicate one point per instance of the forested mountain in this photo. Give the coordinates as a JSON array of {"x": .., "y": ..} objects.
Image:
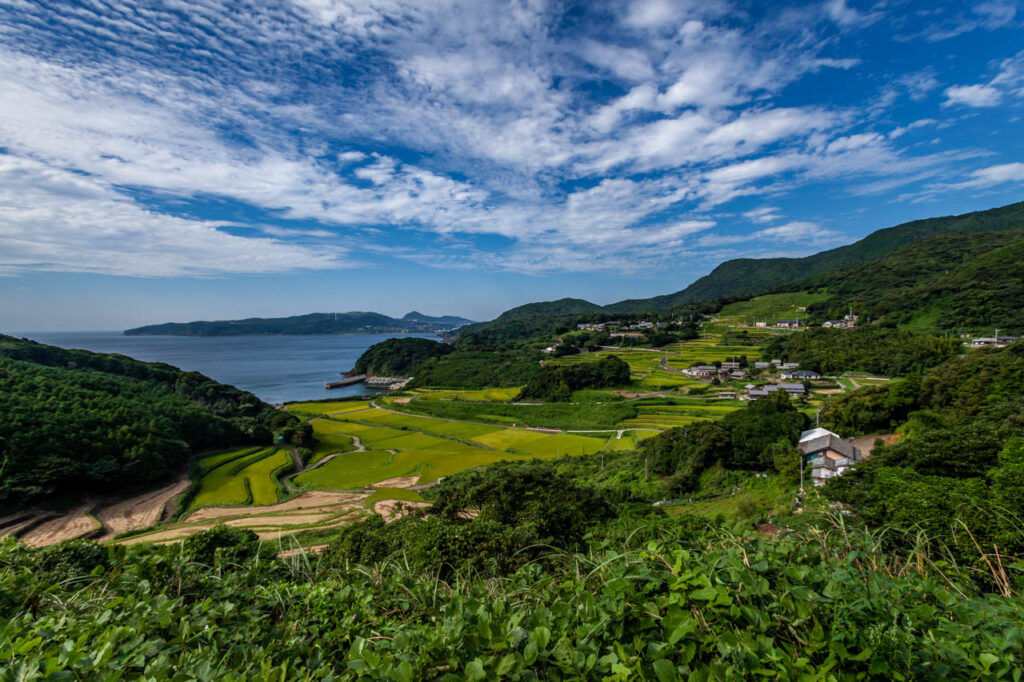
[
  {"x": 748, "y": 276},
  {"x": 76, "y": 422},
  {"x": 314, "y": 323},
  {"x": 399, "y": 357},
  {"x": 944, "y": 282}
]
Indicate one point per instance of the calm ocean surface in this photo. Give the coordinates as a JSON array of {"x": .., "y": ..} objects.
[{"x": 275, "y": 368}]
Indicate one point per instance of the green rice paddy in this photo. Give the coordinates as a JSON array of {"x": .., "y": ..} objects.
[{"x": 243, "y": 480}]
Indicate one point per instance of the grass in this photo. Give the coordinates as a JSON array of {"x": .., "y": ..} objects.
[
  {"x": 403, "y": 494},
  {"x": 501, "y": 395},
  {"x": 627, "y": 442},
  {"x": 769, "y": 308}
]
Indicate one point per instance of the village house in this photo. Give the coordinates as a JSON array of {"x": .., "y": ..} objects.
[
  {"x": 627, "y": 335},
  {"x": 762, "y": 365},
  {"x": 787, "y": 324},
  {"x": 838, "y": 324},
  {"x": 761, "y": 325},
  {"x": 737, "y": 375},
  {"x": 756, "y": 393},
  {"x": 790, "y": 365},
  {"x": 828, "y": 454},
  {"x": 791, "y": 389},
  {"x": 801, "y": 374},
  {"x": 993, "y": 341},
  {"x": 727, "y": 394},
  {"x": 702, "y": 371},
  {"x": 591, "y": 327},
  {"x": 730, "y": 365}
]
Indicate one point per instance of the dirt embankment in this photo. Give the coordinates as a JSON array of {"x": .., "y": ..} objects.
[
  {"x": 74, "y": 524},
  {"x": 137, "y": 513}
]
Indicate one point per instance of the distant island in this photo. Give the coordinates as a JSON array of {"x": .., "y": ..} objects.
[{"x": 314, "y": 323}]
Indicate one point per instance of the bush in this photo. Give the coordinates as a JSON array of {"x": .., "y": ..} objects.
[{"x": 221, "y": 544}]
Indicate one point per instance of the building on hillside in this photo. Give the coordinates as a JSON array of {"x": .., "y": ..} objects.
[
  {"x": 839, "y": 324},
  {"x": 828, "y": 454},
  {"x": 761, "y": 325},
  {"x": 801, "y": 374},
  {"x": 627, "y": 335},
  {"x": 762, "y": 365},
  {"x": 790, "y": 365},
  {"x": 730, "y": 365},
  {"x": 727, "y": 394},
  {"x": 737, "y": 375},
  {"x": 776, "y": 361},
  {"x": 993, "y": 341},
  {"x": 591, "y": 327},
  {"x": 791, "y": 389},
  {"x": 757, "y": 393},
  {"x": 787, "y": 324},
  {"x": 702, "y": 371}
]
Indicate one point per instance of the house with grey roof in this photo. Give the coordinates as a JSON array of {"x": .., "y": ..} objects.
[
  {"x": 828, "y": 453},
  {"x": 801, "y": 374},
  {"x": 791, "y": 389}
]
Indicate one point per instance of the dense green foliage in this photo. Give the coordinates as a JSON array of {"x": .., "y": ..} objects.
[
  {"x": 399, "y": 357},
  {"x": 77, "y": 422},
  {"x": 314, "y": 323},
  {"x": 490, "y": 522},
  {"x": 668, "y": 600},
  {"x": 944, "y": 282},
  {"x": 880, "y": 350},
  {"x": 744, "y": 439},
  {"x": 557, "y": 382},
  {"x": 604, "y": 415},
  {"x": 958, "y": 469},
  {"x": 478, "y": 368}
]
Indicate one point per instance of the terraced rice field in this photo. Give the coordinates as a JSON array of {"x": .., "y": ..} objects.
[
  {"x": 669, "y": 416},
  {"x": 245, "y": 480},
  {"x": 627, "y": 442},
  {"x": 498, "y": 395},
  {"x": 329, "y": 408}
]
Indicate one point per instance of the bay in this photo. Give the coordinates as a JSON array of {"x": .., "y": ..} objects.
[{"x": 275, "y": 368}]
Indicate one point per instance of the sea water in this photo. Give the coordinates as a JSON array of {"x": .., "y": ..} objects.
[{"x": 276, "y": 368}]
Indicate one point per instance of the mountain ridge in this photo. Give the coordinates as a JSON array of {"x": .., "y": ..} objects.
[{"x": 353, "y": 322}]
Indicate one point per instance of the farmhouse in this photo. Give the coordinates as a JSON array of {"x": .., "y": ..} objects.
[
  {"x": 787, "y": 324},
  {"x": 801, "y": 374},
  {"x": 727, "y": 394},
  {"x": 730, "y": 365},
  {"x": 627, "y": 335},
  {"x": 993, "y": 341},
  {"x": 756, "y": 393},
  {"x": 791, "y": 389},
  {"x": 790, "y": 365},
  {"x": 591, "y": 327},
  {"x": 702, "y": 371},
  {"x": 738, "y": 375},
  {"x": 762, "y": 365},
  {"x": 839, "y": 324},
  {"x": 760, "y": 325},
  {"x": 828, "y": 453}
]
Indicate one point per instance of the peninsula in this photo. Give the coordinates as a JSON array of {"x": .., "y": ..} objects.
[{"x": 356, "y": 322}]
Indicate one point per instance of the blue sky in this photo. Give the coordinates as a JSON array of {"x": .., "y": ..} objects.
[{"x": 192, "y": 160}]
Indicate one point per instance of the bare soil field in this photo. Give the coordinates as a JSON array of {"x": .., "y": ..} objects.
[
  {"x": 399, "y": 482},
  {"x": 312, "y": 500},
  {"x": 138, "y": 512},
  {"x": 392, "y": 510},
  {"x": 867, "y": 443},
  {"x": 72, "y": 525}
]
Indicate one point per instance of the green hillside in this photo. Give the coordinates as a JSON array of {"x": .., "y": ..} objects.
[
  {"x": 748, "y": 276},
  {"x": 315, "y": 323},
  {"x": 77, "y": 423},
  {"x": 944, "y": 283}
]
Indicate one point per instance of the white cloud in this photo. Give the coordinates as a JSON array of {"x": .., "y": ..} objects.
[
  {"x": 992, "y": 176},
  {"x": 764, "y": 214},
  {"x": 848, "y": 17},
  {"x": 53, "y": 219},
  {"x": 972, "y": 96}
]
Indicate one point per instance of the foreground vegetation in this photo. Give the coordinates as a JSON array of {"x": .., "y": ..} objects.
[{"x": 77, "y": 422}]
